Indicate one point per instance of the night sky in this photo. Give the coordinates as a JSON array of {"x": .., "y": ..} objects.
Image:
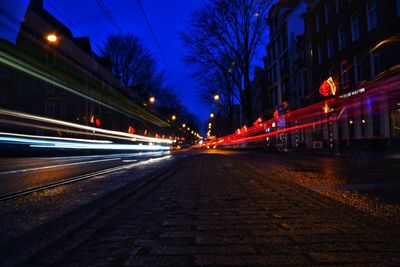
[{"x": 167, "y": 18}]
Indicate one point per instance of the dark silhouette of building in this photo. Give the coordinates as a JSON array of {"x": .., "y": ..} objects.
[{"x": 64, "y": 79}]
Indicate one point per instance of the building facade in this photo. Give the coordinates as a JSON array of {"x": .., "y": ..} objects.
[
  {"x": 64, "y": 79},
  {"x": 356, "y": 43}
]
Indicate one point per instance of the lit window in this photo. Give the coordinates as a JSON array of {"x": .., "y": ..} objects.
[
  {"x": 372, "y": 19},
  {"x": 355, "y": 27},
  {"x": 329, "y": 43},
  {"x": 341, "y": 37}
]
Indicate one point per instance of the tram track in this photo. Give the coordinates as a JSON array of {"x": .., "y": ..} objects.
[{"x": 76, "y": 178}]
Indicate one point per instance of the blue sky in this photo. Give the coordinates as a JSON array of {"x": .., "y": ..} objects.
[{"x": 167, "y": 18}]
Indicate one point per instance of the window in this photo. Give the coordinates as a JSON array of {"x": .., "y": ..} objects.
[
  {"x": 355, "y": 27},
  {"x": 372, "y": 19},
  {"x": 338, "y": 5},
  {"x": 50, "y": 59},
  {"x": 317, "y": 22},
  {"x": 319, "y": 54},
  {"x": 327, "y": 13},
  {"x": 329, "y": 43},
  {"x": 344, "y": 75},
  {"x": 375, "y": 63},
  {"x": 341, "y": 37},
  {"x": 305, "y": 82},
  {"x": 357, "y": 69},
  {"x": 398, "y": 7}
]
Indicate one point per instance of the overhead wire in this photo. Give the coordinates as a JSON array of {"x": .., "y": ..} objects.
[
  {"x": 153, "y": 33},
  {"x": 108, "y": 14},
  {"x": 62, "y": 15}
]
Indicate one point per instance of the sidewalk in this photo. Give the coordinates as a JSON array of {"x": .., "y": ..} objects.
[
  {"x": 392, "y": 154},
  {"x": 216, "y": 210}
]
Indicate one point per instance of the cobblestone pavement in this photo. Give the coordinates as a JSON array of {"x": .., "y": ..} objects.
[{"x": 217, "y": 210}]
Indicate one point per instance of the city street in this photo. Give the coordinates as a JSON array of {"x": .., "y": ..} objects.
[
  {"x": 199, "y": 133},
  {"x": 199, "y": 209}
]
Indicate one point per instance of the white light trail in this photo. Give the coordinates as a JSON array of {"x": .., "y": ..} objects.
[
  {"x": 134, "y": 137},
  {"x": 53, "y": 144},
  {"x": 55, "y": 138}
]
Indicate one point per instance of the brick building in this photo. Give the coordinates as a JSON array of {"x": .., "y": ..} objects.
[
  {"x": 64, "y": 79},
  {"x": 356, "y": 42}
]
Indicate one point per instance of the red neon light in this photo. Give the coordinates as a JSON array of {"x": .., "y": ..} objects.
[
  {"x": 98, "y": 122},
  {"x": 325, "y": 89},
  {"x": 131, "y": 130}
]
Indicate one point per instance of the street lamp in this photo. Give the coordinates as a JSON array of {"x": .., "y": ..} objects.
[
  {"x": 152, "y": 100},
  {"x": 51, "y": 38},
  {"x": 212, "y": 115},
  {"x": 184, "y": 125},
  {"x": 173, "y": 117},
  {"x": 216, "y": 97}
]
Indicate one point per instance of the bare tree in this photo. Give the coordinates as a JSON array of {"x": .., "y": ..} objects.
[
  {"x": 132, "y": 63},
  {"x": 225, "y": 35}
]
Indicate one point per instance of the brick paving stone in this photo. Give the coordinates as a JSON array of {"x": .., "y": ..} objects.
[{"x": 216, "y": 210}]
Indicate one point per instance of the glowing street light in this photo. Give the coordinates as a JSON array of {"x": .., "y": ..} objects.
[
  {"x": 173, "y": 117},
  {"x": 152, "y": 100},
  {"x": 216, "y": 97},
  {"x": 52, "y": 38},
  {"x": 184, "y": 125},
  {"x": 212, "y": 115}
]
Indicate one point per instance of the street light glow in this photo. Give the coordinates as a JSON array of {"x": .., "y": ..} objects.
[
  {"x": 216, "y": 97},
  {"x": 212, "y": 115},
  {"x": 152, "y": 100},
  {"x": 52, "y": 38},
  {"x": 173, "y": 117}
]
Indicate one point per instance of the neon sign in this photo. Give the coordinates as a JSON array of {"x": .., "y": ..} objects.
[
  {"x": 356, "y": 92},
  {"x": 328, "y": 87}
]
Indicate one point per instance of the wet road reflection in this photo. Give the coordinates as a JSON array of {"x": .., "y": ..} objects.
[
  {"x": 20, "y": 174},
  {"x": 370, "y": 182}
]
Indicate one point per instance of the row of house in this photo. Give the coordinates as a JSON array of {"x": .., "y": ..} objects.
[
  {"x": 64, "y": 79},
  {"x": 357, "y": 44}
]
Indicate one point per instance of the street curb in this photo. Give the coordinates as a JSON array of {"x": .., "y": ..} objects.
[{"x": 22, "y": 248}]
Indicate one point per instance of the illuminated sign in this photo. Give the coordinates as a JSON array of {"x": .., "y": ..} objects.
[
  {"x": 281, "y": 122},
  {"x": 328, "y": 87},
  {"x": 356, "y": 92}
]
